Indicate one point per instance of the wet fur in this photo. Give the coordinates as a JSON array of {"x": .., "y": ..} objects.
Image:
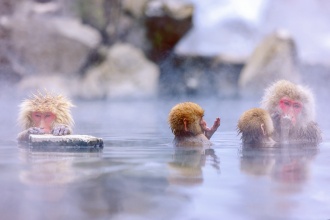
[
  {"x": 249, "y": 126},
  {"x": 306, "y": 129},
  {"x": 192, "y": 114},
  {"x": 45, "y": 102}
]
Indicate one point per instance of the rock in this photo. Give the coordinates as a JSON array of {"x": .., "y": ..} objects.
[
  {"x": 135, "y": 7},
  {"x": 229, "y": 28},
  {"x": 274, "y": 58},
  {"x": 48, "y": 44},
  {"x": 166, "y": 22},
  {"x": 116, "y": 20},
  {"x": 65, "y": 143},
  {"x": 199, "y": 75},
  {"x": 97, "y": 13},
  {"x": 8, "y": 74},
  {"x": 55, "y": 83},
  {"x": 126, "y": 73}
]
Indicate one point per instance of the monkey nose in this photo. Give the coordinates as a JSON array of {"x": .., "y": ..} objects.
[
  {"x": 292, "y": 118},
  {"x": 42, "y": 124}
]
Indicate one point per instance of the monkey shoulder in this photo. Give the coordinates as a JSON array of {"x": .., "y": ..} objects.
[{"x": 23, "y": 136}]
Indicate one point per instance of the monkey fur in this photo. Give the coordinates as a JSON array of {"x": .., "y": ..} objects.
[
  {"x": 191, "y": 114},
  {"x": 256, "y": 127},
  {"x": 305, "y": 129},
  {"x": 59, "y": 105}
]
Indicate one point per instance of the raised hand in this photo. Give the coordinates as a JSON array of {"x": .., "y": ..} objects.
[{"x": 210, "y": 131}]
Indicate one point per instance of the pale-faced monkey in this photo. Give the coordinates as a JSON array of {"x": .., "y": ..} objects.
[
  {"x": 188, "y": 126},
  {"x": 45, "y": 113},
  {"x": 256, "y": 127},
  {"x": 291, "y": 108}
]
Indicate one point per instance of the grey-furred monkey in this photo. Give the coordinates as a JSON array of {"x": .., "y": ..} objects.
[
  {"x": 45, "y": 113},
  {"x": 292, "y": 110}
]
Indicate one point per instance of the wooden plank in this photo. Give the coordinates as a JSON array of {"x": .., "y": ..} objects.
[{"x": 48, "y": 142}]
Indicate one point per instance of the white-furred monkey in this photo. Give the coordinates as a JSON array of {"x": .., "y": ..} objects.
[
  {"x": 188, "y": 126},
  {"x": 256, "y": 127},
  {"x": 45, "y": 113},
  {"x": 291, "y": 108}
]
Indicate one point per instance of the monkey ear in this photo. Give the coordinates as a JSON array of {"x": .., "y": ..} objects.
[
  {"x": 262, "y": 126},
  {"x": 185, "y": 124}
]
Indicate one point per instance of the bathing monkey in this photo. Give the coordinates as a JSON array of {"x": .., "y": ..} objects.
[
  {"x": 291, "y": 108},
  {"x": 256, "y": 127},
  {"x": 45, "y": 113},
  {"x": 188, "y": 126}
]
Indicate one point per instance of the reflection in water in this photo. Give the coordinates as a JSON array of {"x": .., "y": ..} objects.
[
  {"x": 287, "y": 164},
  {"x": 186, "y": 167},
  {"x": 284, "y": 171},
  {"x": 140, "y": 175},
  {"x": 51, "y": 168},
  {"x": 48, "y": 173}
]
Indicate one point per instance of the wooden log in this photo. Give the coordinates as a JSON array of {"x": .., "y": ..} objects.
[{"x": 48, "y": 142}]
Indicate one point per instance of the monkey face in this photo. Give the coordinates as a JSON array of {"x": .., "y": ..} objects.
[
  {"x": 202, "y": 123},
  {"x": 290, "y": 109},
  {"x": 44, "y": 120}
]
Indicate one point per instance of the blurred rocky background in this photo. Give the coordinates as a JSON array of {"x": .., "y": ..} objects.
[{"x": 108, "y": 49}]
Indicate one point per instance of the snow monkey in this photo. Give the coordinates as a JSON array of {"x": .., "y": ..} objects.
[
  {"x": 291, "y": 108},
  {"x": 45, "y": 113},
  {"x": 188, "y": 126},
  {"x": 256, "y": 127}
]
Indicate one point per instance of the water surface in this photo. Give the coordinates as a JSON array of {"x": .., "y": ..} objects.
[{"x": 140, "y": 175}]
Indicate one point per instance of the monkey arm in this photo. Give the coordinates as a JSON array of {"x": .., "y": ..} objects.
[
  {"x": 24, "y": 135},
  {"x": 210, "y": 131},
  {"x": 310, "y": 133}
]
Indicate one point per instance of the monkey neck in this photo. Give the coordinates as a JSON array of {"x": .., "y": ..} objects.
[{"x": 185, "y": 134}]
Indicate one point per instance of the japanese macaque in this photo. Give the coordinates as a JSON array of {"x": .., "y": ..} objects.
[
  {"x": 45, "y": 114},
  {"x": 188, "y": 126},
  {"x": 291, "y": 108},
  {"x": 256, "y": 127}
]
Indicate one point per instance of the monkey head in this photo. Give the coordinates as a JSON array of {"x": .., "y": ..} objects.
[
  {"x": 185, "y": 119},
  {"x": 45, "y": 109},
  {"x": 256, "y": 126},
  {"x": 289, "y": 103}
]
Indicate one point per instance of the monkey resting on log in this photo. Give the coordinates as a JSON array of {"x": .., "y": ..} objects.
[{"x": 45, "y": 113}]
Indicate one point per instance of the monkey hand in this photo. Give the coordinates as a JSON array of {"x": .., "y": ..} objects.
[
  {"x": 210, "y": 131},
  {"x": 286, "y": 122},
  {"x": 35, "y": 130},
  {"x": 61, "y": 129}
]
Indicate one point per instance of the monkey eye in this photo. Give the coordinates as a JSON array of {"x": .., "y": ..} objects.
[
  {"x": 297, "y": 105},
  {"x": 287, "y": 103}
]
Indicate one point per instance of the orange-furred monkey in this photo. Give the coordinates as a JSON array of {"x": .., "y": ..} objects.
[
  {"x": 256, "y": 127},
  {"x": 188, "y": 126},
  {"x": 291, "y": 108},
  {"x": 45, "y": 113}
]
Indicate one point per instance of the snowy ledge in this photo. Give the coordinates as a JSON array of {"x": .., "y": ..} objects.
[{"x": 49, "y": 142}]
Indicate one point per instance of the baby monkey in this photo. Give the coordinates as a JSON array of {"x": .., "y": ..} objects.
[
  {"x": 188, "y": 126},
  {"x": 256, "y": 127},
  {"x": 45, "y": 113}
]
